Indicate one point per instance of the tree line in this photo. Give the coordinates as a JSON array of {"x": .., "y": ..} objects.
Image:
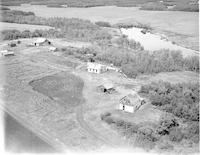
[{"x": 71, "y": 28}]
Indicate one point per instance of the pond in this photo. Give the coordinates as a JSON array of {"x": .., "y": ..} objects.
[{"x": 153, "y": 42}]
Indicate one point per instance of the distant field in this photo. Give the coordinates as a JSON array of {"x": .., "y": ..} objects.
[
  {"x": 21, "y": 27},
  {"x": 180, "y": 26}
]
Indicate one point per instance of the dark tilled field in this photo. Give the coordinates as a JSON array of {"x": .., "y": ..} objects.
[{"x": 62, "y": 87}]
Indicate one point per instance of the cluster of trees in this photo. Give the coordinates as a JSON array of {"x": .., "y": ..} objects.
[
  {"x": 124, "y": 42},
  {"x": 182, "y": 100},
  {"x": 158, "y": 6},
  {"x": 135, "y": 63},
  {"x": 130, "y": 25},
  {"x": 4, "y": 8},
  {"x": 149, "y": 134},
  {"x": 72, "y": 28},
  {"x": 84, "y": 53},
  {"x": 16, "y": 34},
  {"x": 186, "y": 7},
  {"x": 103, "y": 24}
]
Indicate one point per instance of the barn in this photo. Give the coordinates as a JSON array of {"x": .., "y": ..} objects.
[
  {"x": 106, "y": 88},
  {"x": 93, "y": 67},
  {"x": 42, "y": 41},
  {"x": 131, "y": 103}
]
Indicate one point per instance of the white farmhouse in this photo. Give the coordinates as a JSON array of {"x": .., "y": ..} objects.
[
  {"x": 96, "y": 68},
  {"x": 131, "y": 103}
]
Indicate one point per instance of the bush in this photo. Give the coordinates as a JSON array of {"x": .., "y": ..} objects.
[
  {"x": 166, "y": 123},
  {"x": 153, "y": 6},
  {"x": 176, "y": 135},
  {"x": 103, "y": 116},
  {"x": 182, "y": 100},
  {"x": 109, "y": 120},
  {"x": 103, "y": 24},
  {"x": 4, "y": 8},
  {"x": 192, "y": 132}
]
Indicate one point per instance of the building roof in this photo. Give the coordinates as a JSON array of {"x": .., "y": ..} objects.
[
  {"x": 131, "y": 99},
  {"x": 108, "y": 85},
  {"x": 41, "y": 40},
  {"x": 6, "y": 52},
  {"x": 94, "y": 65},
  {"x": 52, "y": 48}
]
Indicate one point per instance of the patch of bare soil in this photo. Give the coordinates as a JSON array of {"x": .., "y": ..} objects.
[{"x": 63, "y": 87}]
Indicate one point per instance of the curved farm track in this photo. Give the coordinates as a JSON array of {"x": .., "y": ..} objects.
[{"x": 91, "y": 131}]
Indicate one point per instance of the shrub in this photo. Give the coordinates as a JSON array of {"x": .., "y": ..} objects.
[
  {"x": 153, "y": 6},
  {"x": 4, "y": 8},
  {"x": 176, "y": 135},
  {"x": 109, "y": 120},
  {"x": 182, "y": 100},
  {"x": 147, "y": 133},
  {"x": 166, "y": 123},
  {"x": 103, "y": 116},
  {"x": 192, "y": 132}
]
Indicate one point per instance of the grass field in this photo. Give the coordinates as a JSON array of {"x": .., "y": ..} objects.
[
  {"x": 182, "y": 26},
  {"x": 21, "y": 27}
]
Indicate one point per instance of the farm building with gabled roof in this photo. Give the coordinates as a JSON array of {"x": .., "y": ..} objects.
[
  {"x": 131, "y": 103},
  {"x": 42, "y": 41},
  {"x": 106, "y": 88}
]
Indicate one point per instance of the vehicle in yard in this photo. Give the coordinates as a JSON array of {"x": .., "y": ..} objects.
[
  {"x": 42, "y": 41},
  {"x": 7, "y": 53},
  {"x": 131, "y": 102},
  {"x": 96, "y": 68}
]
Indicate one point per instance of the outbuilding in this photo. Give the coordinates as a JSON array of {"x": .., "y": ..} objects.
[
  {"x": 42, "y": 41},
  {"x": 6, "y": 53},
  {"x": 106, "y": 88},
  {"x": 93, "y": 67},
  {"x": 131, "y": 103},
  {"x": 52, "y": 49}
]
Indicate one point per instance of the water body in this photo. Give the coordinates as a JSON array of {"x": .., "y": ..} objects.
[
  {"x": 153, "y": 42},
  {"x": 19, "y": 139}
]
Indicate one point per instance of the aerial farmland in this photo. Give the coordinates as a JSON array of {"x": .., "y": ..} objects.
[{"x": 95, "y": 80}]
